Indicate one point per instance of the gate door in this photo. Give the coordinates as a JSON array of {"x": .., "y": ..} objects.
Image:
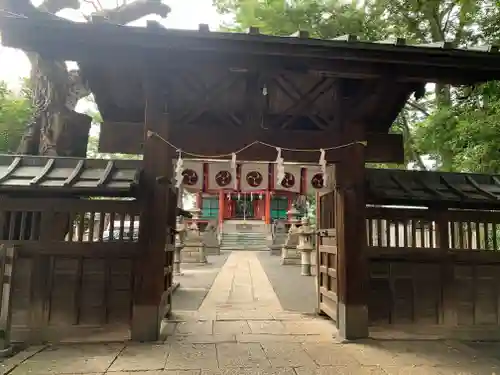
[{"x": 327, "y": 256}]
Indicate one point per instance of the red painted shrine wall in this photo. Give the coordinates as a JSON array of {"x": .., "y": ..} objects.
[{"x": 259, "y": 209}]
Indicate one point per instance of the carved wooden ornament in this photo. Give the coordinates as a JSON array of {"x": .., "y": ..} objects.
[
  {"x": 223, "y": 178},
  {"x": 317, "y": 181},
  {"x": 190, "y": 177},
  {"x": 288, "y": 181},
  {"x": 254, "y": 178}
]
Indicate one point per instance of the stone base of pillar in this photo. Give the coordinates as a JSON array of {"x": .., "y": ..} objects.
[
  {"x": 305, "y": 263},
  {"x": 146, "y": 322},
  {"x": 305, "y": 269},
  {"x": 275, "y": 249},
  {"x": 290, "y": 256},
  {"x": 177, "y": 260},
  {"x": 193, "y": 254},
  {"x": 210, "y": 239},
  {"x": 177, "y": 270},
  {"x": 313, "y": 263},
  {"x": 212, "y": 250},
  {"x": 353, "y": 322}
]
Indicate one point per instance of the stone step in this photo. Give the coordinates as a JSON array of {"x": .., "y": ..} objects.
[
  {"x": 252, "y": 248},
  {"x": 237, "y": 240},
  {"x": 243, "y": 239}
]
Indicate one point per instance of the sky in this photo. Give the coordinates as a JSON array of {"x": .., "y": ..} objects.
[{"x": 185, "y": 14}]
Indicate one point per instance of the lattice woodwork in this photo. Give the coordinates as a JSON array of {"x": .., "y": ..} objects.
[
  {"x": 327, "y": 258},
  {"x": 293, "y": 97},
  {"x": 434, "y": 267}
]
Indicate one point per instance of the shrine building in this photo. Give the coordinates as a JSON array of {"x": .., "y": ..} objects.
[
  {"x": 249, "y": 192},
  {"x": 247, "y": 96}
]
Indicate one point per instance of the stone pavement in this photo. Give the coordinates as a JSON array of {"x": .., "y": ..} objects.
[
  {"x": 241, "y": 329},
  {"x": 196, "y": 281}
]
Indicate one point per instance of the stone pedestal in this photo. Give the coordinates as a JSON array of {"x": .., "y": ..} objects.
[
  {"x": 193, "y": 251},
  {"x": 278, "y": 238},
  {"x": 305, "y": 247},
  {"x": 179, "y": 244},
  {"x": 210, "y": 239},
  {"x": 289, "y": 252}
]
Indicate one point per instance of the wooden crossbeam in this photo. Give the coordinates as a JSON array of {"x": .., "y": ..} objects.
[
  {"x": 301, "y": 100},
  {"x": 205, "y": 95},
  {"x": 128, "y": 137}
]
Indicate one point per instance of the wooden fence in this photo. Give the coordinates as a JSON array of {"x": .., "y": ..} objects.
[
  {"x": 7, "y": 264},
  {"x": 437, "y": 267},
  {"x": 75, "y": 264}
]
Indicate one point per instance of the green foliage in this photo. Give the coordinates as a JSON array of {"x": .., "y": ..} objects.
[
  {"x": 15, "y": 112},
  {"x": 323, "y": 19},
  {"x": 464, "y": 136}
]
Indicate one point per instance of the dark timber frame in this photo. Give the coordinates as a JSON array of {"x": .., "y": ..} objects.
[{"x": 293, "y": 92}]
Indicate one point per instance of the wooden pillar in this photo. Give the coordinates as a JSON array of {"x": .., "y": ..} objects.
[
  {"x": 268, "y": 207},
  {"x": 352, "y": 273},
  {"x": 222, "y": 206},
  {"x": 155, "y": 207},
  {"x": 318, "y": 211}
]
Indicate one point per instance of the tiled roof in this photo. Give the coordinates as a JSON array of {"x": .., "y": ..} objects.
[
  {"x": 460, "y": 190},
  {"x": 67, "y": 176}
]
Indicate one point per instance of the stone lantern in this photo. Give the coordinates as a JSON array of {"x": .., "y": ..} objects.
[
  {"x": 305, "y": 246},
  {"x": 179, "y": 244},
  {"x": 194, "y": 251},
  {"x": 289, "y": 252}
]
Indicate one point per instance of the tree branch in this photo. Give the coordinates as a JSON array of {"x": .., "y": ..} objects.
[
  {"x": 47, "y": 8},
  {"x": 418, "y": 107},
  {"x": 407, "y": 133},
  {"x": 133, "y": 11},
  {"x": 54, "y": 6}
]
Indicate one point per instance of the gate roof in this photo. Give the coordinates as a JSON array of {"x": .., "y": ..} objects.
[
  {"x": 235, "y": 86},
  {"x": 433, "y": 189}
]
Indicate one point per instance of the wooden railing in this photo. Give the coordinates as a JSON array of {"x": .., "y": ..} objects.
[
  {"x": 78, "y": 226},
  {"x": 431, "y": 267},
  {"x": 417, "y": 230}
]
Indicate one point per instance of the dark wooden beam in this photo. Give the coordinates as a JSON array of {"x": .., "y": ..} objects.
[
  {"x": 155, "y": 211},
  {"x": 361, "y": 60},
  {"x": 127, "y": 138},
  {"x": 352, "y": 267}
]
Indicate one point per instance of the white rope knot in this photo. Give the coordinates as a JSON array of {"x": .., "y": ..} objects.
[
  {"x": 322, "y": 164},
  {"x": 280, "y": 166},
  {"x": 233, "y": 167},
  {"x": 179, "y": 168}
]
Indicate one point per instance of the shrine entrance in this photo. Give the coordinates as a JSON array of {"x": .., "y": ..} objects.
[
  {"x": 244, "y": 208},
  {"x": 314, "y": 101}
]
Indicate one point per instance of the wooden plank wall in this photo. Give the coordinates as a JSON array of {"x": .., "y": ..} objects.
[
  {"x": 69, "y": 279},
  {"x": 434, "y": 267}
]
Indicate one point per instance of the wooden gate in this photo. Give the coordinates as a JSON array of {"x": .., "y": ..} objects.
[{"x": 327, "y": 256}]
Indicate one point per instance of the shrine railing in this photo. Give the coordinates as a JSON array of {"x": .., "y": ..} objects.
[
  {"x": 435, "y": 268},
  {"x": 75, "y": 226},
  {"x": 74, "y": 267},
  {"x": 413, "y": 230}
]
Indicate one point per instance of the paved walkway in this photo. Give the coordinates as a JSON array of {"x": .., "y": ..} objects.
[{"x": 241, "y": 329}]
